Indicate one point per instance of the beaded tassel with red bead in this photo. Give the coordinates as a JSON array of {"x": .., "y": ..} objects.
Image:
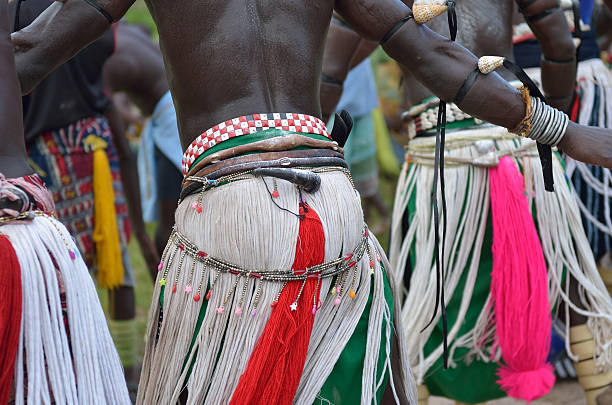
[
  {"x": 10, "y": 315},
  {"x": 275, "y": 366}
]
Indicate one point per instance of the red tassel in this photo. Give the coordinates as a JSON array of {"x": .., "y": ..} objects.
[
  {"x": 519, "y": 288},
  {"x": 10, "y": 315},
  {"x": 275, "y": 367}
]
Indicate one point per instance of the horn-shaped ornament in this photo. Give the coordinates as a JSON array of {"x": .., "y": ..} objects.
[
  {"x": 426, "y": 10},
  {"x": 488, "y": 64}
]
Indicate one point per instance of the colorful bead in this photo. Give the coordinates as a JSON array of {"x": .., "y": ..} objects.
[
  {"x": 194, "y": 205},
  {"x": 208, "y": 294},
  {"x": 160, "y": 265},
  {"x": 220, "y": 310},
  {"x": 188, "y": 289},
  {"x": 72, "y": 254},
  {"x": 174, "y": 288},
  {"x": 196, "y": 297},
  {"x": 333, "y": 291},
  {"x": 371, "y": 264},
  {"x": 253, "y": 313},
  {"x": 275, "y": 194},
  {"x": 238, "y": 311},
  {"x": 314, "y": 309},
  {"x": 162, "y": 282},
  {"x": 293, "y": 306},
  {"x": 337, "y": 301},
  {"x": 199, "y": 209},
  {"x": 339, "y": 289},
  {"x": 352, "y": 293}
]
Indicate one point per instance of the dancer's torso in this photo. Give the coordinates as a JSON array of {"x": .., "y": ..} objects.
[{"x": 244, "y": 57}]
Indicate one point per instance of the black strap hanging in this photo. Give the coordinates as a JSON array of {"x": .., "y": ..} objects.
[
  {"x": 439, "y": 174},
  {"x": 16, "y": 26},
  {"x": 544, "y": 151}
]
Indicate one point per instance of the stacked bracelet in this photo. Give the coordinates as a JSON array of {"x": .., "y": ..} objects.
[{"x": 542, "y": 123}]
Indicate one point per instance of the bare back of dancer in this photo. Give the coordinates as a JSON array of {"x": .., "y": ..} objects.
[{"x": 226, "y": 59}]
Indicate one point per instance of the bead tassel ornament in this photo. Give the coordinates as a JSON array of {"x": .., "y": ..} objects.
[{"x": 275, "y": 366}]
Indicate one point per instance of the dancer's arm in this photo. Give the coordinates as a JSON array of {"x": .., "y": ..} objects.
[
  {"x": 443, "y": 65},
  {"x": 129, "y": 178},
  {"x": 58, "y": 34},
  {"x": 344, "y": 49},
  {"x": 12, "y": 144},
  {"x": 547, "y": 21}
]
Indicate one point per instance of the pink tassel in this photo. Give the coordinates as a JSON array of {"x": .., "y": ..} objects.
[{"x": 519, "y": 288}]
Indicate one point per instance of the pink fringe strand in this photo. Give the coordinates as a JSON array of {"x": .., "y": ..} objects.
[{"x": 519, "y": 288}]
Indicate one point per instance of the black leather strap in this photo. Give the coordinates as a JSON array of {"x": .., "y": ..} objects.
[
  {"x": 539, "y": 16},
  {"x": 394, "y": 29},
  {"x": 559, "y": 61},
  {"x": 328, "y": 79},
  {"x": 105, "y": 13},
  {"x": 466, "y": 86},
  {"x": 544, "y": 151},
  {"x": 525, "y": 4}
]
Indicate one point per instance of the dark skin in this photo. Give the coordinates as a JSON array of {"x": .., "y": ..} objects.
[
  {"x": 136, "y": 68},
  {"x": 486, "y": 29},
  {"x": 273, "y": 62},
  {"x": 129, "y": 177},
  {"x": 12, "y": 144}
]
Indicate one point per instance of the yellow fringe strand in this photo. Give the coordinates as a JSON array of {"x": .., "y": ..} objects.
[{"x": 106, "y": 233}]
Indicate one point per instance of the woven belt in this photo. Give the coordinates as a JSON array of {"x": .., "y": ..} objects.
[
  {"x": 422, "y": 118},
  {"x": 251, "y": 124}
]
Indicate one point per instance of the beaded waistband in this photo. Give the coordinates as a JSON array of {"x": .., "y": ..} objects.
[
  {"x": 179, "y": 243},
  {"x": 250, "y": 124},
  {"x": 422, "y": 118}
]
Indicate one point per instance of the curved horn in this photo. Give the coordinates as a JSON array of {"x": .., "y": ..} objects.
[{"x": 309, "y": 181}]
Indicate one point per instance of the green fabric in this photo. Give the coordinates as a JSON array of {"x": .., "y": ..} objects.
[
  {"x": 360, "y": 149},
  {"x": 343, "y": 386},
  {"x": 476, "y": 382},
  {"x": 250, "y": 138}
]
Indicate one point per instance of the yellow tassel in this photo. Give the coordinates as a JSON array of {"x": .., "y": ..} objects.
[
  {"x": 424, "y": 13},
  {"x": 488, "y": 64},
  {"x": 106, "y": 232}
]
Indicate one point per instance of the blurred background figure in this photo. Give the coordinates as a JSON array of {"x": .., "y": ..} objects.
[
  {"x": 136, "y": 69},
  {"x": 74, "y": 137},
  {"x": 360, "y": 99}
]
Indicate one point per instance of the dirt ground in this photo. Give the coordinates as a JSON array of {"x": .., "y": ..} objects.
[{"x": 564, "y": 393}]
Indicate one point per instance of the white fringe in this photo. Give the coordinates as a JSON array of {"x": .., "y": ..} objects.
[
  {"x": 241, "y": 225},
  {"x": 467, "y": 191},
  {"x": 92, "y": 373},
  {"x": 592, "y": 73}
]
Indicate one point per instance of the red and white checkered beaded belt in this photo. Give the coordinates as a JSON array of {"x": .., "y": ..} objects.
[{"x": 249, "y": 124}]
